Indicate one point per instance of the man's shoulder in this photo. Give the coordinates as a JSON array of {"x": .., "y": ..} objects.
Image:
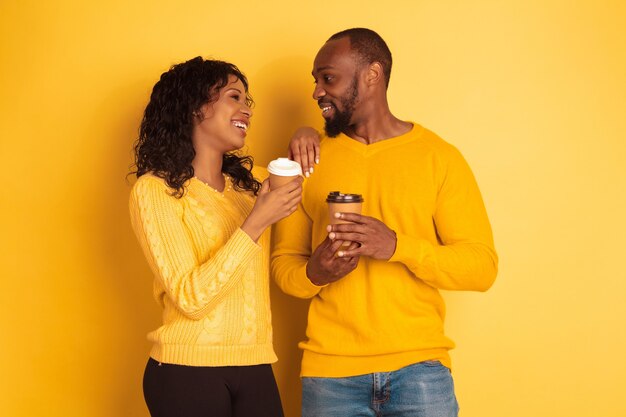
[
  {"x": 436, "y": 143},
  {"x": 326, "y": 141}
]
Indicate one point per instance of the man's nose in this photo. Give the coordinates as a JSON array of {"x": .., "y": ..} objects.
[{"x": 318, "y": 92}]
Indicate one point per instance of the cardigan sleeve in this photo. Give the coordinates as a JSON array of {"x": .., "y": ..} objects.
[
  {"x": 194, "y": 287},
  {"x": 464, "y": 258}
]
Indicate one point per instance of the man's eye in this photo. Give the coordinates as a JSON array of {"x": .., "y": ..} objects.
[{"x": 328, "y": 78}]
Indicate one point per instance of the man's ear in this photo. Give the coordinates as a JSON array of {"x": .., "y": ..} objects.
[{"x": 375, "y": 73}]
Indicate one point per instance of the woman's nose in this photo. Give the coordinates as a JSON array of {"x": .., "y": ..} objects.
[{"x": 245, "y": 109}]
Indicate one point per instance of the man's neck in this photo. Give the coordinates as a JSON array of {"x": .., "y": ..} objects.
[{"x": 378, "y": 128}]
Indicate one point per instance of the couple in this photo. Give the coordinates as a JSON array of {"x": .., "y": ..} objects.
[{"x": 375, "y": 342}]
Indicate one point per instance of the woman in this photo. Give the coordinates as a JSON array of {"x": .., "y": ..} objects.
[{"x": 202, "y": 220}]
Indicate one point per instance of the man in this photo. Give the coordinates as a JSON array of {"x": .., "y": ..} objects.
[{"x": 375, "y": 335}]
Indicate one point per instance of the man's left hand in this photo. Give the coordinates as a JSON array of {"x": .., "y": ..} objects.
[{"x": 376, "y": 240}]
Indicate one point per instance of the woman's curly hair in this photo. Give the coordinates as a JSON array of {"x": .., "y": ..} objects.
[{"x": 164, "y": 147}]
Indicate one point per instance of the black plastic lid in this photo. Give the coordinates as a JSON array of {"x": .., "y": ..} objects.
[{"x": 337, "y": 197}]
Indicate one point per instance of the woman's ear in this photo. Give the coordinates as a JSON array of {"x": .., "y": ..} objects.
[{"x": 199, "y": 115}]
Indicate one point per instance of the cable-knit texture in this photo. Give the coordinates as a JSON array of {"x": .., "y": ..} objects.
[{"x": 211, "y": 278}]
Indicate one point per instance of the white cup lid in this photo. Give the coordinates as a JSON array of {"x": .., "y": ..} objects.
[{"x": 284, "y": 167}]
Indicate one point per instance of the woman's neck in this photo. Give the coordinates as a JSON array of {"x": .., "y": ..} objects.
[{"x": 207, "y": 167}]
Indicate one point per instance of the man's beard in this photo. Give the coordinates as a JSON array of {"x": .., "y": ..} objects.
[{"x": 341, "y": 120}]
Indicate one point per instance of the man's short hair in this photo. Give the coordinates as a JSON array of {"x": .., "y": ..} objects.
[{"x": 369, "y": 47}]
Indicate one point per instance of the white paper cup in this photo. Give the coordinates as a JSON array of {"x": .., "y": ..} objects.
[{"x": 282, "y": 171}]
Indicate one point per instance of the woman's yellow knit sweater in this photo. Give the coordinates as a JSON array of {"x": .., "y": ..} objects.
[{"x": 211, "y": 278}]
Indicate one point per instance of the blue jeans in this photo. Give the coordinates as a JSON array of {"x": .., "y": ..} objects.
[{"x": 424, "y": 389}]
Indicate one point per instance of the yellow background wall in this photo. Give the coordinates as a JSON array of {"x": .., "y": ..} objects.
[{"x": 532, "y": 92}]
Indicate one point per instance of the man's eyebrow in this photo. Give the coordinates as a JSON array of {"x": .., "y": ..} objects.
[{"x": 321, "y": 69}]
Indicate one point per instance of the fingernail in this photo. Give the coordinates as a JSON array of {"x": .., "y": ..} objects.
[
  {"x": 331, "y": 236},
  {"x": 306, "y": 174},
  {"x": 311, "y": 170},
  {"x": 317, "y": 160},
  {"x": 337, "y": 215},
  {"x": 329, "y": 228},
  {"x": 340, "y": 254}
]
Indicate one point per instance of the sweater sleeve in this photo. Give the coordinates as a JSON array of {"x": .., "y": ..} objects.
[
  {"x": 464, "y": 258},
  {"x": 194, "y": 287},
  {"x": 290, "y": 254}
]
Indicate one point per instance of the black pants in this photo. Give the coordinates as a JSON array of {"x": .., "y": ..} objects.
[{"x": 203, "y": 391}]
